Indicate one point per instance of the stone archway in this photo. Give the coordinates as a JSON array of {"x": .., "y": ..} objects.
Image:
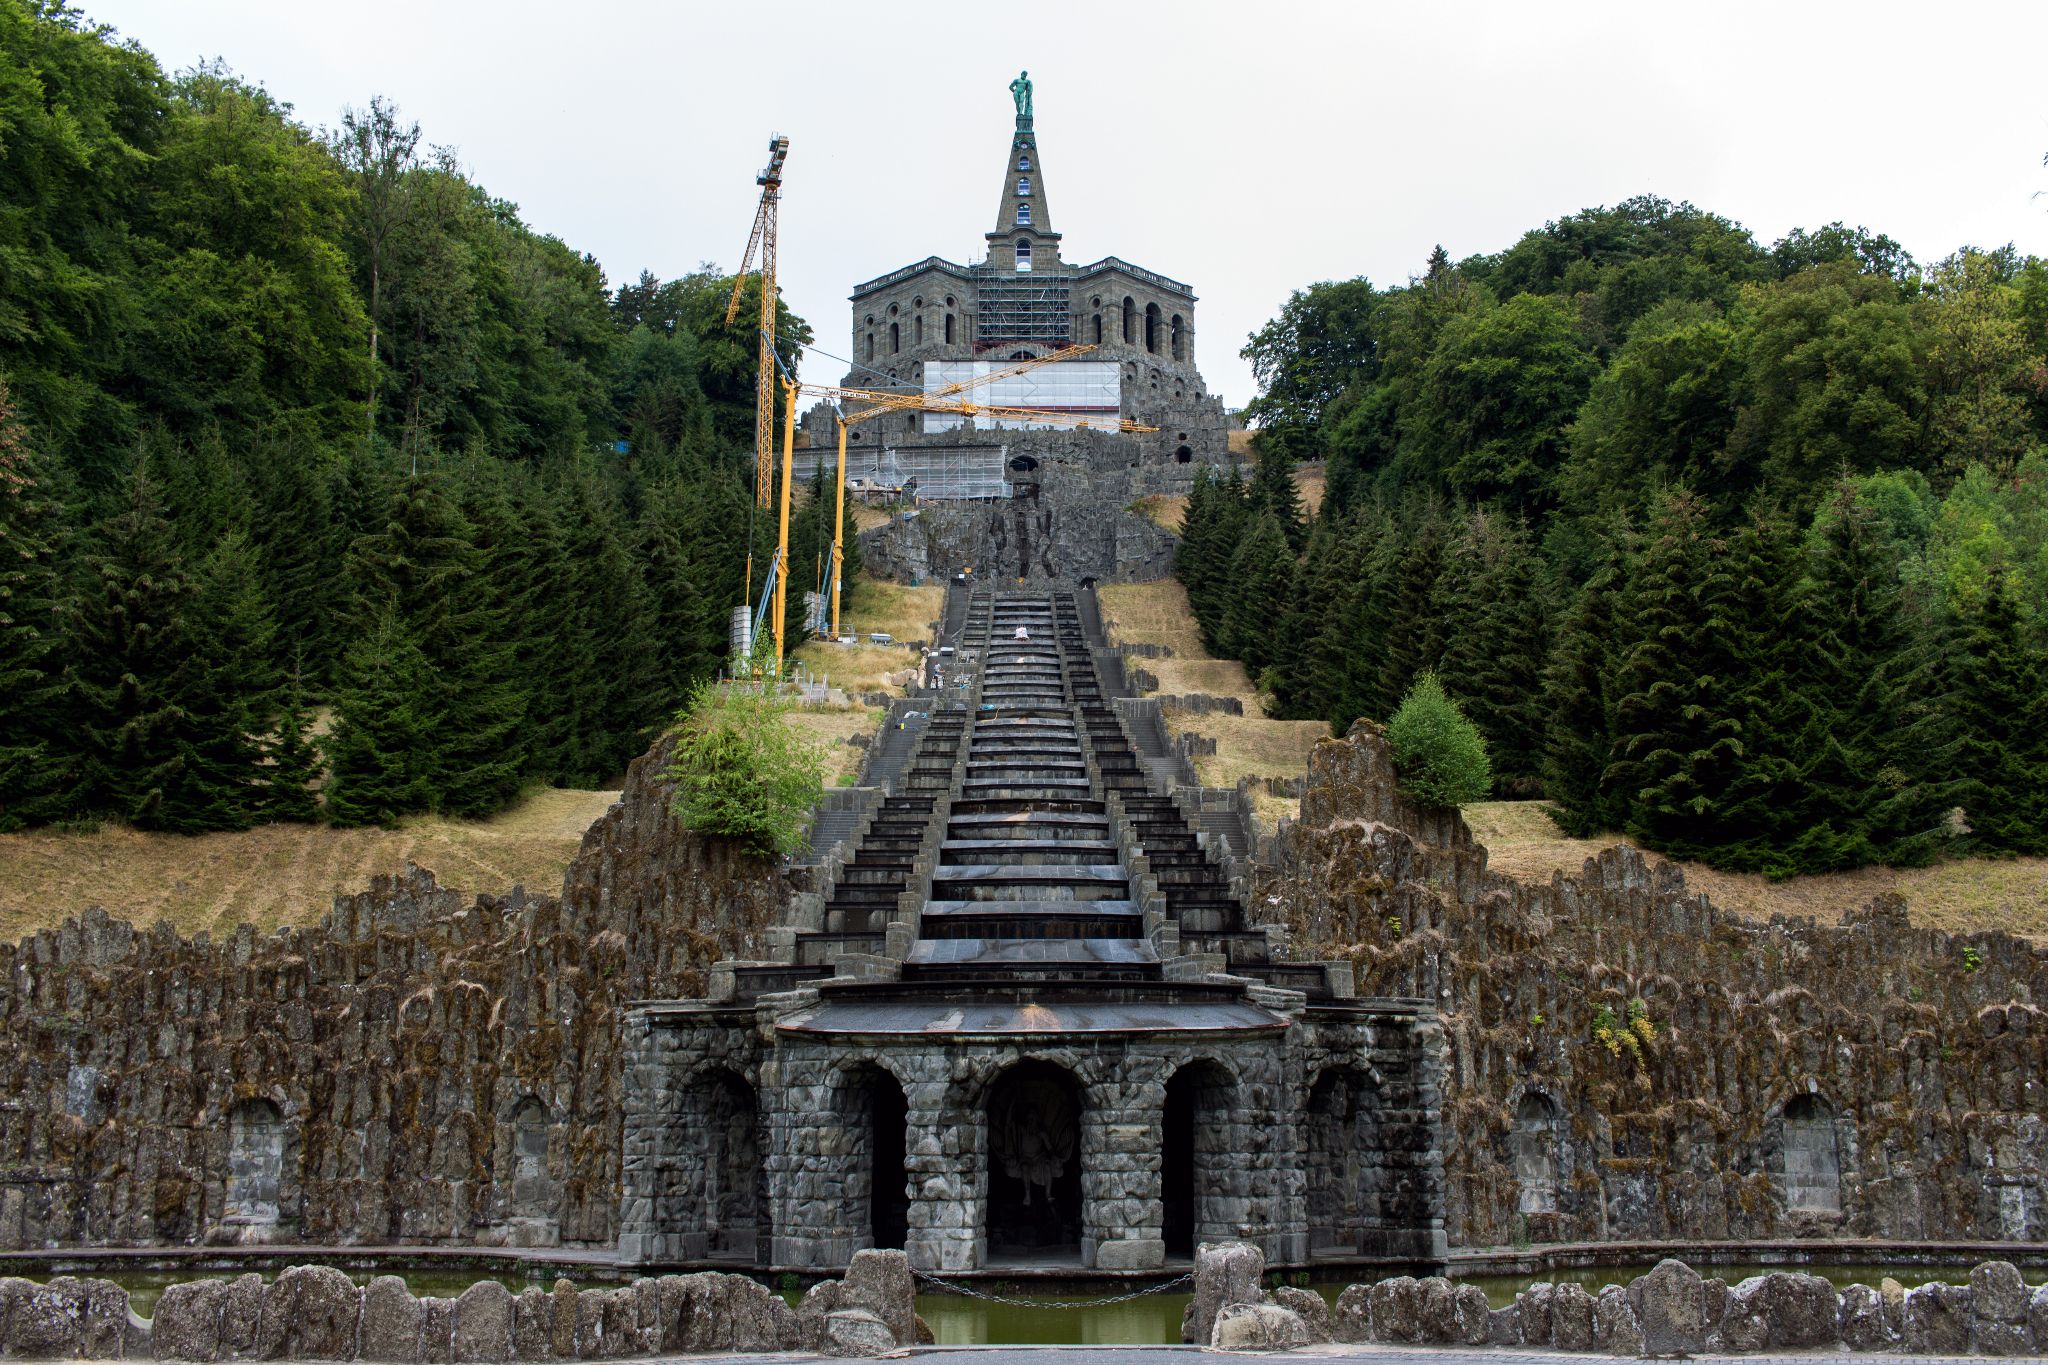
[
  {"x": 875, "y": 1114},
  {"x": 1539, "y": 1130},
  {"x": 255, "y": 1184},
  {"x": 1812, "y": 1173},
  {"x": 1034, "y": 1165},
  {"x": 1195, "y": 1133},
  {"x": 722, "y": 1199}
]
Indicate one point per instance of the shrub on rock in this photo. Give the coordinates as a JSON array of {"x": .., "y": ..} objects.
[{"x": 1439, "y": 754}]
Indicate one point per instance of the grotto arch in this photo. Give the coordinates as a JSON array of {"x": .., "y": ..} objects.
[
  {"x": 874, "y": 1116},
  {"x": 716, "y": 1198},
  {"x": 1196, "y": 1139},
  {"x": 1033, "y": 1164},
  {"x": 254, "y": 1196}
]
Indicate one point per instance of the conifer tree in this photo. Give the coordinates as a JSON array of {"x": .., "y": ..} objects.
[
  {"x": 293, "y": 529},
  {"x": 1261, "y": 587},
  {"x": 1758, "y": 815},
  {"x": 1493, "y": 663},
  {"x": 382, "y": 756},
  {"x": 296, "y": 762},
  {"x": 1273, "y": 490},
  {"x": 2000, "y": 698},
  {"x": 1409, "y": 625},
  {"x": 1578, "y": 738},
  {"x": 35, "y": 752},
  {"x": 230, "y": 698},
  {"x": 1677, "y": 738},
  {"x": 610, "y": 639}
]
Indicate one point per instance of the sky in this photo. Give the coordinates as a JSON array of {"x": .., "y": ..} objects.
[{"x": 1247, "y": 149}]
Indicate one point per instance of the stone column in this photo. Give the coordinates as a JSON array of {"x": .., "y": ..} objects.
[
  {"x": 1122, "y": 1214},
  {"x": 942, "y": 1158}
]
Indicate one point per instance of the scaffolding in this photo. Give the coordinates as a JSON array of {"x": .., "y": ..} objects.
[{"x": 1035, "y": 308}]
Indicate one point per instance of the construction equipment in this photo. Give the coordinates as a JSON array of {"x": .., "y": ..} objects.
[{"x": 762, "y": 241}]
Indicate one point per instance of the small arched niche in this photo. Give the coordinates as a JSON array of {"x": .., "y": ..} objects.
[
  {"x": 255, "y": 1185},
  {"x": 1812, "y": 1177},
  {"x": 1539, "y": 1133},
  {"x": 1034, "y": 1163}
]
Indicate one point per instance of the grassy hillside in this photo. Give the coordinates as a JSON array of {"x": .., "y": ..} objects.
[{"x": 278, "y": 874}]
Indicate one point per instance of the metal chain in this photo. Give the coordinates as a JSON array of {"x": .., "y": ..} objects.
[{"x": 950, "y": 1287}]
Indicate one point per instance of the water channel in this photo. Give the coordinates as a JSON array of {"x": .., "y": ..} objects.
[{"x": 1051, "y": 1319}]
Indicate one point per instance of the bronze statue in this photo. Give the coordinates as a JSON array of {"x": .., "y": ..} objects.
[{"x": 1020, "y": 91}]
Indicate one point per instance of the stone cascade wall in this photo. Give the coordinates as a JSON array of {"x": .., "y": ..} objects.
[
  {"x": 315, "y": 1312},
  {"x": 1788, "y": 1078},
  {"x": 422, "y": 1066}
]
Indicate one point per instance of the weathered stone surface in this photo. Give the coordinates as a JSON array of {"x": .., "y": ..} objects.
[
  {"x": 1532, "y": 1313},
  {"x": 880, "y": 1281},
  {"x": 533, "y": 1324},
  {"x": 1671, "y": 1309},
  {"x": 1504, "y": 1326},
  {"x": 1439, "y": 1326},
  {"x": 1225, "y": 1273},
  {"x": 187, "y": 1321},
  {"x": 1352, "y": 1321},
  {"x": 104, "y": 1333},
  {"x": 310, "y": 1313},
  {"x": 1259, "y": 1327},
  {"x": 1571, "y": 1318},
  {"x": 1797, "y": 1309},
  {"x": 710, "y": 1311},
  {"x": 562, "y": 1321},
  {"x": 857, "y": 1333},
  {"x": 437, "y": 1331},
  {"x": 241, "y": 1318},
  {"x": 2037, "y": 1317},
  {"x": 1938, "y": 1319},
  {"x": 483, "y": 1323},
  {"x": 1863, "y": 1320},
  {"x": 1470, "y": 1310},
  {"x": 44, "y": 1321},
  {"x": 1307, "y": 1305},
  {"x": 391, "y": 1321},
  {"x": 1397, "y": 1309},
  {"x": 1998, "y": 1293},
  {"x": 1615, "y": 1330}
]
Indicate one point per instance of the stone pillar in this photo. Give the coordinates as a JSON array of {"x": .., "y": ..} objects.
[
  {"x": 1122, "y": 1214},
  {"x": 644, "y": 1099},
  {"x": 942, "y": 1157}
]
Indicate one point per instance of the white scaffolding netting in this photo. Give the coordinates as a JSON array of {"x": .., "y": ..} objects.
[
  {"x": 1080, "y": 388},
  {"x": 933, "y": 471}
]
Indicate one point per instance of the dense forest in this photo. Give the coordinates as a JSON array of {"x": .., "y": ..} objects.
[
  {"x": 298, "y": 421},
  {"x": 1740, "y": 550}
]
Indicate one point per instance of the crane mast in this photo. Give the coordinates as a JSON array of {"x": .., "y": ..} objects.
[{"x": 761, "y": 242}]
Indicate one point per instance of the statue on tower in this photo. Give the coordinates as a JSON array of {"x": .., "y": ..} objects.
[{"x": 1020, "y": 91}]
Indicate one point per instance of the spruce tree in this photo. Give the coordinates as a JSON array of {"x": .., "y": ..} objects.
[
  {"x": 296, "y": 762},
  {"x": 36, "y": 750},
  {"x": 1578, "y": 735},
  {"x": 294, "y": 533},
  {"x": 1759, "y": 815},
  {"x": 1273, "y": 490},
  {"x": 610, "y": 638},
  {"x": 382, "y": 760},
  {"x": 1493, "y": 665},
  {"x": 1677, "y": 737},
  {"x": 2000, "y": 699},
  {"x": 1409, "y": 625},
  {"x": 230, "y": 698},
  {"x": 1261, "y": 586}
]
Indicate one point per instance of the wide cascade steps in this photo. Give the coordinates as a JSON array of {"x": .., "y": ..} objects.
[{"x": 1027, "y": 880}]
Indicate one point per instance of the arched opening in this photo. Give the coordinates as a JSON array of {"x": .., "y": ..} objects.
[
  {"x": 724, "y": 1200},
  {"x": 530, "y": 1195},
  {"x": 895, "y": 337},
  {"x": 1024, "y": 184},
  {"x": 1179, "y": 345},
  {"x": 1152, "y": 328},
  {"x": 1339, "y": 1136},
  {"x": 1813, "y": 1163},
  {"x": 917, "y": 330},
  {"x": 1098, "y": 329},
  {"x": 1034, "y": 1163},
  {"x": 1182, "y": 455},
  {"x": 1130, "y": 315},
  {"x": 1023, "y": 161},
  {"x": 1023, "y": 257},
  {"x": 949, "y": 329},
  {"x": 871, "y": 346},
  {"x": 1539, "y": 1128},
  {"x": 873, "y": 1114},
  {"x": 255, "y": 1164},
  {"x": 1196, "y": 1127},
  {"x": 1023, "y": 215},
  {"x": 1024, "y": 464}
]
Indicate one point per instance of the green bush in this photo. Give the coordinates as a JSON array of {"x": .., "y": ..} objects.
[
  {"x": 740, "y": 772},
  {"x": 1439, "y": 756}
]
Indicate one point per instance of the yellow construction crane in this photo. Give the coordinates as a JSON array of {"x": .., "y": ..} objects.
[{"x": 762, "y": 241}]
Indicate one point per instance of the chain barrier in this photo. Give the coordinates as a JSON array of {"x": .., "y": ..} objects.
[{"x": 949, "y": 1287}]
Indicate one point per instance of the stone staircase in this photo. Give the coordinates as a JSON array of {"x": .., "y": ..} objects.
[{"x": 1030, "y": 835}]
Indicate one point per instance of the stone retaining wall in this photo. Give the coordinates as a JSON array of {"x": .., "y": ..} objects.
[
  {"x": 313, "y": 1312},
  {"x": 1627, "y": 1061}
]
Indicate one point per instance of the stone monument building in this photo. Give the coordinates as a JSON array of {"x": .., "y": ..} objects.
[{"x": 1020, "y": 501}]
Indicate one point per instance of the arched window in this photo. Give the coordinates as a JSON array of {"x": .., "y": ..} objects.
[
  {"x": 1179, "y": 352},
  {"x": 1024, "y": 161},
  {"x": 1024, "y": 184},
  {"x": 917, "y": 330},
  {"x": 1098, "y": 329},
  {"x": 1195, "y": 1156},
  {"x": 895, "y": 338},
  {"x": 1023, "y": 215},
  {"x": 1130, "y": 312},
  {"x": 949, "y": 329},
  {"x": 1152, "y": 332},
  {"x": 871, "y": 346},
  {"x": 1023, "y": 257}
]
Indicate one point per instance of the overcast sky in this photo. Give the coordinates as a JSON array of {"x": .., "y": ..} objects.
[{"x": 1246, "y": 148}]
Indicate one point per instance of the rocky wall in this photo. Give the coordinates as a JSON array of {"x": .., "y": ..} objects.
[
  {"x": 1627, "y": 1061},
  {"x": 422, "y": 1066}
]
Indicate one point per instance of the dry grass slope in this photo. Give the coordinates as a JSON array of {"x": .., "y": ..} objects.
[{"x": 278, "y": 874}]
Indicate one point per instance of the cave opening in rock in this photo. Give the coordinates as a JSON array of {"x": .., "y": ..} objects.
[
  {"x": 1034, "y": 1164},
  {"x": 733, "y": 1195},
  {"x": 888, "y": 1198},
  {"x": 1195, "y": 1133}
]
